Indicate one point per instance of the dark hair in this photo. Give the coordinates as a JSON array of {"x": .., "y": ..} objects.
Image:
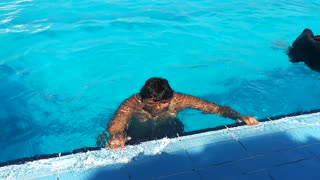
[{"x": 157, "y": 88}]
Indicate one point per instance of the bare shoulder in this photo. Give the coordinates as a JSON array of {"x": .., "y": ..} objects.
[
  {"x": 185, "y": 100},
  {"x": 183, "y": 97},
  {"x": 132, "y": 101},
  {"x": 178, "y": 97}
]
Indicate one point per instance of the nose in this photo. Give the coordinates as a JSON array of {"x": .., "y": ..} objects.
[{"x": 158, "y": 106}]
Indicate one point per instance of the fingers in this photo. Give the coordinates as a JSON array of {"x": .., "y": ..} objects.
[
  {"x": 250, "y": 120},
  {"x": 116, "y": 142},
  {"x": 115, "y": 145}
]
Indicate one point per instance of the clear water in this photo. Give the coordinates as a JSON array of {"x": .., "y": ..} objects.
[{"x": 66, "y": 65}]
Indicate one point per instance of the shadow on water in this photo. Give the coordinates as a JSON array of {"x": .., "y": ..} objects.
[
  {"x": 269, "y": 156},
  {"x": 15, "y": 119}
]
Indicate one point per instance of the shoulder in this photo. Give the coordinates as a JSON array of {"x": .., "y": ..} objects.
[
  {"x": 179, "y": 97},
  {"x": 187, "y": 99},
  {"x": 181, "y": 101},
  {"x": 133, "y": 100}
]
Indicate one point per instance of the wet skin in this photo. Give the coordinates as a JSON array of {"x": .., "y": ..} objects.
[{"x": 136, "y": 110}]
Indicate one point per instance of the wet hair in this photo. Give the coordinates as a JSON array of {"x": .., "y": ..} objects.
[{"x": 156, "y": 88}]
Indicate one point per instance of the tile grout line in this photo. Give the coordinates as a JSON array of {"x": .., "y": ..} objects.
[
  {"x": 58, "y": 175},
  {"x": 127, "y": 171},
  {"x": 260, "y": 155},
  {"x": 293, "y": 162},
  {"x": 269, "y": 174},
  {"x": 196, "y": 170},
  {"x": 180, "y": 172},
  {"x": 234, "y": 137},
  {"x": 184, "y": 148},
  {"x": 314, "y": 156},
  {"x": 275, "y": 124}
]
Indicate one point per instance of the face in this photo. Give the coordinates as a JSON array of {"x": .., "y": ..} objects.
[{"x": 155, "y": 107}]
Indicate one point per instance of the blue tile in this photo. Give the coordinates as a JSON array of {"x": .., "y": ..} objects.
[
  {"x": 107, "y": 172},
  {"x": 206, "y": 138},
  {"x": 257, "y": 130},
  {"x": 159, "y": 165},
  {"x": 290, "y": 123},
  {"x": 306, "y": 169},
  {"x": 174, "y": 146},
  {"x": 227, "y": 172},
  {"x": 190, "y": 175},
  {"x": 305, "y": 135},
  {"x": 260, "y": 175},
  {"x": 246, "y": 166},
  {"x": 162, "y": 145},
  {"x": 213, "y": 172},
  {"x": 309, "y": 118},
  {"x": 46, "y": 178},
  {"x": 69, "y": 175},
  {"x": 279, "y": 158},
  {"x": 216, "y": 153},
  {"x": 268, "y": 143},
  {"x": 312, "y": 149}
]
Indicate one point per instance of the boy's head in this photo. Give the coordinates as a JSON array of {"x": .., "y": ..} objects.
[{"x": 157, "y": 89}]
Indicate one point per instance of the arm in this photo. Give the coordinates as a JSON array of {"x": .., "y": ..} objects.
[
  {"x": 186, "y": 101},
  {"x": 118, "y": 123},
  {"x": 121, "y": 117}
]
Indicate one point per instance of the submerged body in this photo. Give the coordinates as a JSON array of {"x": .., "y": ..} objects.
[{"x": 142, "y": 117}]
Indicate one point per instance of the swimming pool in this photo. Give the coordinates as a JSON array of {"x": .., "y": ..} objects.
[{"x": 66, "y": 66}]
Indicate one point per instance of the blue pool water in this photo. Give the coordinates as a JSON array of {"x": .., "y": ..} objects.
[{"x": 65, "y": 66}]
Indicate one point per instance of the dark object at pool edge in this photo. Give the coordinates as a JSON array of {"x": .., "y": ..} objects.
[{"x": 306, "y": 48}]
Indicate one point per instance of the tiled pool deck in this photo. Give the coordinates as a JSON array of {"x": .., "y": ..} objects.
[{"x": 287, "y": 148}]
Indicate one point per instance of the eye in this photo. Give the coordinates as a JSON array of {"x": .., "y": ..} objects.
[{"x": 149, "y": 103}]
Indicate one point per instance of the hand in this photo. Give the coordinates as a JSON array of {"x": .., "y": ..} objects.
[
  {"x": 116, "y": 141},
  {"x": 249, "y": 120}
]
